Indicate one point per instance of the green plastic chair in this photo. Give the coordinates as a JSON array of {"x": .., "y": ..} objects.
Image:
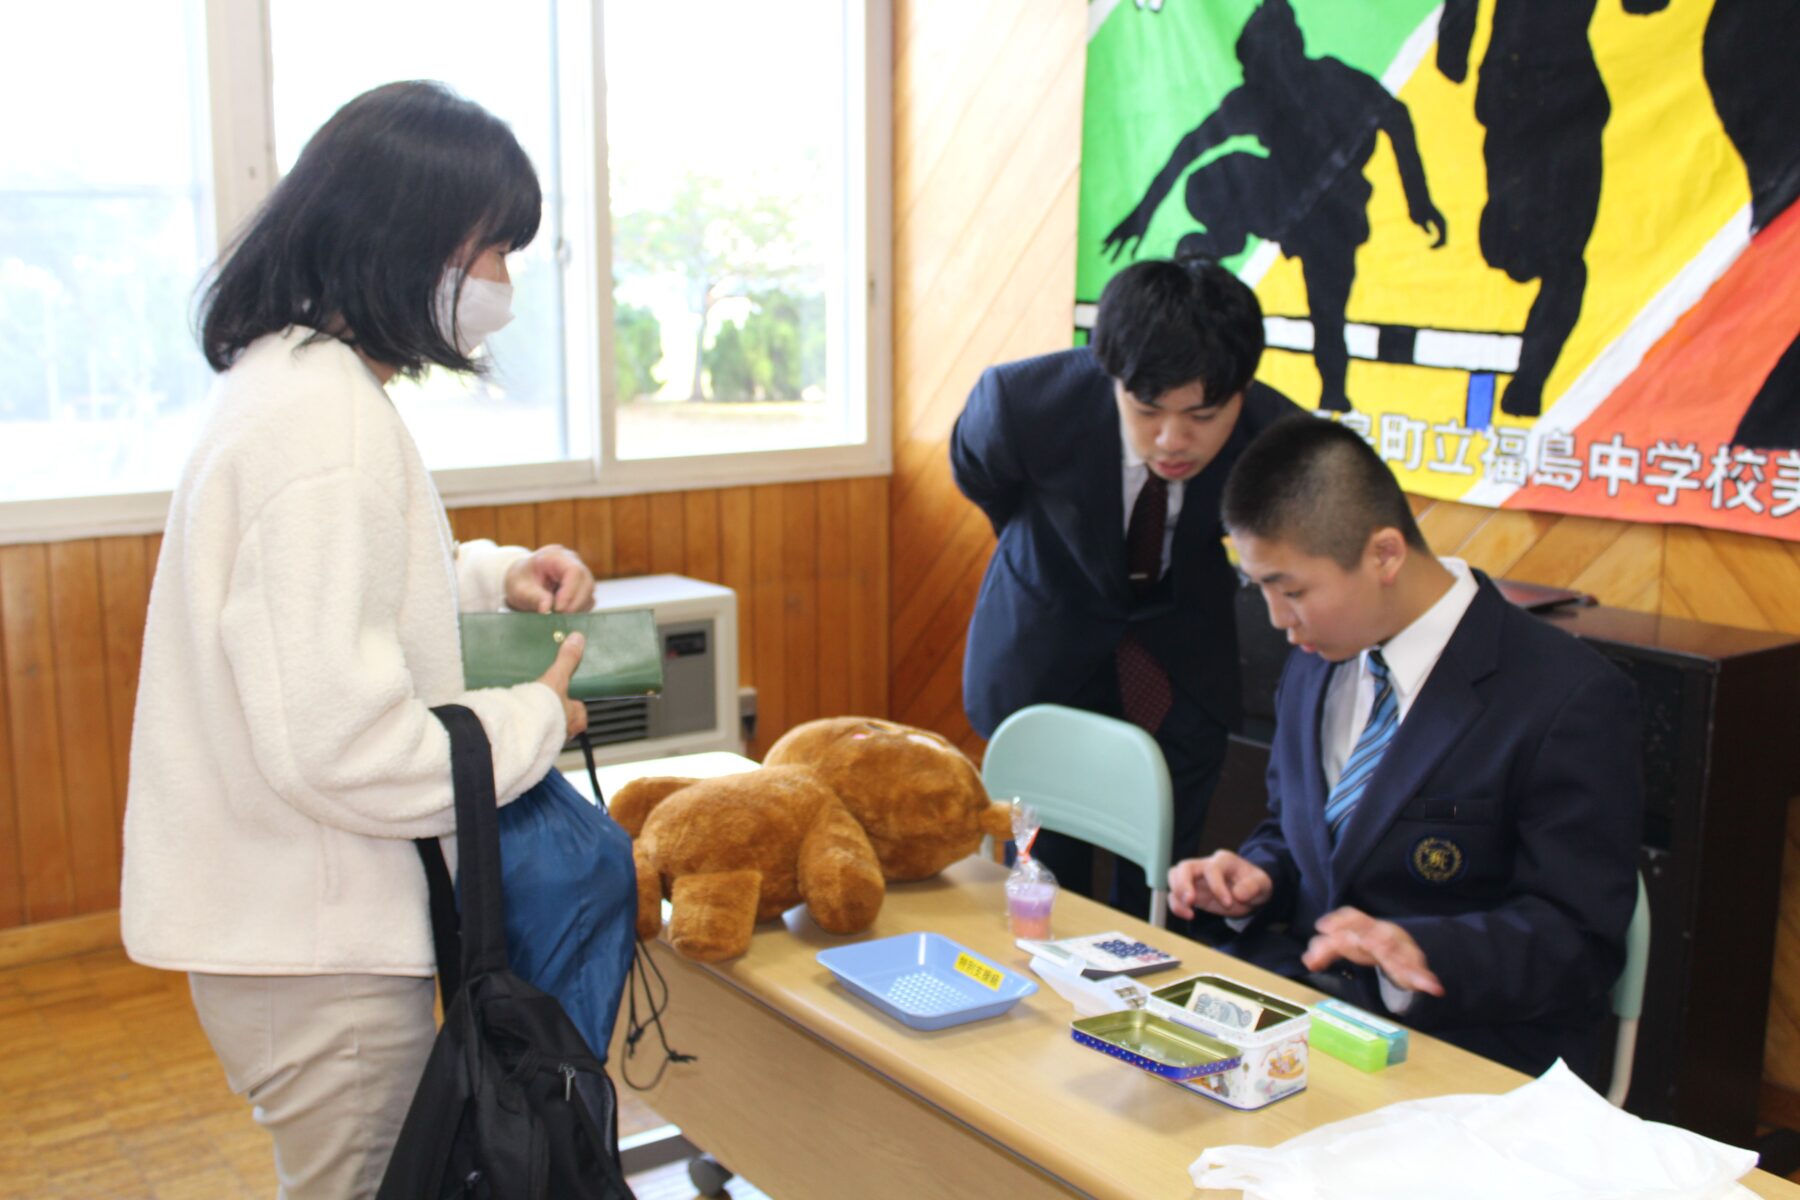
[
  {"x": 1628, "y": 995},
  {"x": 1096, "y": 778}
]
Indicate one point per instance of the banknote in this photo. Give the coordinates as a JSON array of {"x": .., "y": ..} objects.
[{"x": 1224, "y": 1008}]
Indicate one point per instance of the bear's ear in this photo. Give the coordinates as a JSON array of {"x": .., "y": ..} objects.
[
  {"x": 632, "y": 804},
  {"x": 996, "y": 821}
]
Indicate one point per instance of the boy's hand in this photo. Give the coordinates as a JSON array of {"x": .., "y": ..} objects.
[
  {"x": 1222, "y": 883},
  {"x": 1351, "y": 934}
]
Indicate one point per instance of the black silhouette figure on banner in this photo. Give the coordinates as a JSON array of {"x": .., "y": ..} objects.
[
  {"x": 1544, "y": 106},
  {"x": 1318, "y": 119},
  {"x": 1751, "y": 57},
  {"x": 1772, "y": 422}
]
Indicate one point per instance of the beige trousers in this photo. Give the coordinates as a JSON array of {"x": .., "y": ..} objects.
[{"x": 328, "y": 1063}]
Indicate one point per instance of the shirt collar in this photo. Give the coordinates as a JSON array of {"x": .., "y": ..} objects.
[{"x": 1412, "y": 652}]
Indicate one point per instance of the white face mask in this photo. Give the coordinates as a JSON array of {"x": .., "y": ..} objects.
[{"x": 483, "y": 309}]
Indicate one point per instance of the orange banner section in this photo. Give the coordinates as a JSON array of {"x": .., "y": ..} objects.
[{"x": 1623, "y": 462}]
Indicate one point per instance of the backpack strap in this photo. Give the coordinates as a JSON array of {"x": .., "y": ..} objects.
[
  {"x": 477, "y": 842},
  {"x": 446, "y": 929}
]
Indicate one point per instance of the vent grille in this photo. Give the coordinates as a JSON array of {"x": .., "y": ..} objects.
[{"x": 625, "y": 719}]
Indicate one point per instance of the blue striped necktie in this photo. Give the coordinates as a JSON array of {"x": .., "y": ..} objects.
[{"x": 1365, "y": 756}]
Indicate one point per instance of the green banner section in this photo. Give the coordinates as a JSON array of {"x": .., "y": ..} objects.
[{"x": 1155, "y": 74}]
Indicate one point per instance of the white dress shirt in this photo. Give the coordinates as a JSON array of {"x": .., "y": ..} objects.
[
  {"x": 1410, "y": 655},
  {"x": 1137, "y": 471}
]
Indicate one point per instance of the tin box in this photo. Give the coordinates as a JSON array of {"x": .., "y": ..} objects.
[
  {"x": 1272, "y": 1060},
  {"x": 1161, "y": 1047}
]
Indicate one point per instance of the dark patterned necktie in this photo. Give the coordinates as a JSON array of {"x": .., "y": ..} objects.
[
  {"x": 1144, "y": 688},
  {"x": 1144, "y": 534}
]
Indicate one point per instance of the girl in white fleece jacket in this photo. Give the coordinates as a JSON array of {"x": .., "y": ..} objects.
[{"x": 303, "y": 623}]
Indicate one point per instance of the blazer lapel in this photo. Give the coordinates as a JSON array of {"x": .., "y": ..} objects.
[
  {"x": 1199, "y": 520},
  {"x": 1313, "y": 854},
  {"x": 1436, "y": 721},
  {"x": 1102, "y": 489}
]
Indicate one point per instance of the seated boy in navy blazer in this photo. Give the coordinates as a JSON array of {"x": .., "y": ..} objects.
[
  {"x": 1100, "y": 469},
  {"x": 1454, "y": 785}
]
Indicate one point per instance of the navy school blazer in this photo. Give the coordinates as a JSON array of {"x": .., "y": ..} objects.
[
  {"x": 1038, "y": 448},
  {"x": 1500, "y": 830}
]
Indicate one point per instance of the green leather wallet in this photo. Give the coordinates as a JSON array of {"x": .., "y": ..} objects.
[{"x": 623, "y": 655}]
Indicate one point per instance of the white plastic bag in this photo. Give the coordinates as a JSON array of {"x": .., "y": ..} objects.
[{"x": 1552, "y": 1139}]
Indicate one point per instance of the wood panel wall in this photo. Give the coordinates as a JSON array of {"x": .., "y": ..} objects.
[
  {"x": 987, "y": 142},
  {"x": 809, "y": 562},
  {"x": 987, "y": 152}
]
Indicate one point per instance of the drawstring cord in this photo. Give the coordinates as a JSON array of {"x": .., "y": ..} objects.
[{"x": 643, "y": 968}]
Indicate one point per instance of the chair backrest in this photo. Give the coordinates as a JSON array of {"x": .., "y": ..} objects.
[
  {"x": 1628, "y": 995},
  {"x": 1097, "y": 778},
  {"x": 1628, "y": 991}
]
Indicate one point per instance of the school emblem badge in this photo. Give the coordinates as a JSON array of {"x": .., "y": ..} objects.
[{"x": 1437, "y": 859}]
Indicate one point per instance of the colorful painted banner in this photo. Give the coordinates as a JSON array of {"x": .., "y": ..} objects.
[{"x": 1540, "y": 253}]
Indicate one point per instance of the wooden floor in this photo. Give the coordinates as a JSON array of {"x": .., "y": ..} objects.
[
  {"x": 671, "y": 1183},
  {"x": 109, "y": 1089}
]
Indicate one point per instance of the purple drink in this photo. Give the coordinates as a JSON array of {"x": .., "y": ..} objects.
[{"x": 1028, "y": 903}]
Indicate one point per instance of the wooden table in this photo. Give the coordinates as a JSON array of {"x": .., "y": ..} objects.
[{"x": 808, "y": 1092}]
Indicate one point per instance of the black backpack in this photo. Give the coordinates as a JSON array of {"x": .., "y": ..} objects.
[{"x": 513, "y": 1102}]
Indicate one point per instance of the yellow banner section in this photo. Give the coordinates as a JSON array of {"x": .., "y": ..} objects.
[{"x": 1670, "y": 182}]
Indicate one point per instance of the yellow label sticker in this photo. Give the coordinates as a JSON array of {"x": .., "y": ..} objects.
[{"x": 988, "y": 977}]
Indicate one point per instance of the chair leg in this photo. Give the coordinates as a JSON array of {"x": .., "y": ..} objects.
[
  {"x": 1624, "y": 1052},
  {"x": 1159, "y": 907},
  {"x": 708, "y": 1175}
]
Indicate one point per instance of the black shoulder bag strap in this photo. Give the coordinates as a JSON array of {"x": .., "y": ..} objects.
[
  {"x": 474, "y": 942},
  {"x": 587, "y": 752},
  {"x": 446, "y": 930}
]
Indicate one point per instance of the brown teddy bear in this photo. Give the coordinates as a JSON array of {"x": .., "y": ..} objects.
[
  {"x": 918, "y": 797},
  {"x": 839, "y": 807}
]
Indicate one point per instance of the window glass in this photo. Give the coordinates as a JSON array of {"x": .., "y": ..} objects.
[
  {"x": 734, "y": 231},
  {"x": 325, "y": 52},
  {"x": 105, "y": 225},
  {"x": 726, "y": 133}
]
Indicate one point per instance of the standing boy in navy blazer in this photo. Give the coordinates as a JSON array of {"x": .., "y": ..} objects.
[
  {"x": 1100, "y": 469},
  {"x": 1454, "y": 790}
]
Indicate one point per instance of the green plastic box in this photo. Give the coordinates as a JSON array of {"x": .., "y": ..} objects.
[{"x": 1361, "y": 1048}]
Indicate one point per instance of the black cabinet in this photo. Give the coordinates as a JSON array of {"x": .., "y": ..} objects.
[{"x": 1721, "y": 760}]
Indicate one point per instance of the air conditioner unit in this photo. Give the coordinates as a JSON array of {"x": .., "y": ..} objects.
[{"x": 699, "y": 707}]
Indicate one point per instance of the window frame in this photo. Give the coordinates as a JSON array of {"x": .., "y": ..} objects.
[{"x": 240, "y": 114}]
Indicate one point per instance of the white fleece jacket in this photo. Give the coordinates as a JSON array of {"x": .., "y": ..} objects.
[{"x": 302, "y": 623}]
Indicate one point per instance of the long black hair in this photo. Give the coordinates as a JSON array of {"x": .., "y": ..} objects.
[{"x": 356, "y": 238}]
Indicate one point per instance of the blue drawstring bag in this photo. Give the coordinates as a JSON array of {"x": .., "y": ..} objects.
[{"x": 571, "y": 903}]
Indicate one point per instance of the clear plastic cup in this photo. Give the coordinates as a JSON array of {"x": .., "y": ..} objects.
[
  {"x": 1028, "y": 904},
  {"x": 1031, "y": 888}
]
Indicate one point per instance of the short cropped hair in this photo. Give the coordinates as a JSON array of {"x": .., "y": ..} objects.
[
  {"x": 1165, "y": 323},
  {"x": 358, "y": 235},
  {"x": 1316, "y": 485}
]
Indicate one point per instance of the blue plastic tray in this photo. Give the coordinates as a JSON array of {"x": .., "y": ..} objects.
[{"x": 913, "y": 978}]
